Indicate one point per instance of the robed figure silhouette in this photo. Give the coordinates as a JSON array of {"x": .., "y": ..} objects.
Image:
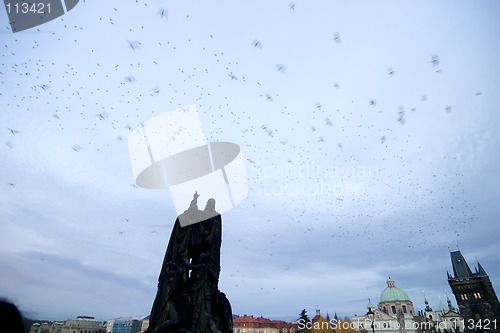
[{"x": 188, "y": 298}]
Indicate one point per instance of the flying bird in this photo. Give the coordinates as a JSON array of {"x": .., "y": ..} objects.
[
  {"x": 103, "y": 115},
  {"x": 13, "y": 131},
  {"x": 129, "y": 79},
  {"x": 257, "y": 43},
  {"x": 336, "y": 37},
  {"x": 134, "y": 45},
  {"x": 76, "y": 148},
  {"x": 281, "y": 68},
  {"x": 292, "y": 5},
  {"x": 43, "y": 86},
  {"x": 163, "y": 12},
  {"x": 435, "y": 60},
  {"x": 401, "y": 118}
]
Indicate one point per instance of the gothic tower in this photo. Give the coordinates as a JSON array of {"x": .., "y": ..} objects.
[{"x": 474, "y": 292}]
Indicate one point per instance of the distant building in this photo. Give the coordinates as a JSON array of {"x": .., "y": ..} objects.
[
  {"x": 452, "y": 321},
  {"x": 394, "y": 300},
  {"x": 109, "y": 325},
  {"x": 394, "y": 314},
  {"x": 40, "y": 327},
  {"x": 126, "y": 325},
  {"x": 145, "y": 324},
  {"x": 251, "y": 324},
  {"x": 476, "y": 298},
  {"x": 321, "y": 324},
  {"x": 443, "y": 318},
  {"x": 82, "y": 324}
]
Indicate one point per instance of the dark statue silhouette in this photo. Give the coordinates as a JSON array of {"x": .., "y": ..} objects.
[{"x": 188, "y": 298}]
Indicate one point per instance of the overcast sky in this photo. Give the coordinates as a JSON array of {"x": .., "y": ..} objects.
[{"x": 369, "y": 131}]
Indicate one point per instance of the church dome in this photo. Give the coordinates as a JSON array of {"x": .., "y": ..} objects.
[
  {"x": 393, "y": 293},
  {"x": 441, "y": 306}
]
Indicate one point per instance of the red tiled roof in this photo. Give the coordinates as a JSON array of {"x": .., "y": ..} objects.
[{"x": 261, "y": 322}]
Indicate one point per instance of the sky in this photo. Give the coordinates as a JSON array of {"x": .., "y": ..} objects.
[{"x": 369, "y": 132}]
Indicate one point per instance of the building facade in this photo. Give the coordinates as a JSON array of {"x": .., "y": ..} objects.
[
  {"x": 443, "y": 318},
  {"x": 82, "y": 324},
  {"x": 394, "y": 300},
  {"x": 394, "y": 313},
  {"x": 145, "y": 324},
  {"x": 126, "y": 325},
  {"x": 474, "y": 293}
]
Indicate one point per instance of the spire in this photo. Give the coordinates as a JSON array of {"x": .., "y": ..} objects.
[
  {"x": 460, "y": 267},
  {"x": 427, "y": 307},
  {"x": 327, "y": 316},
  {"x": 480, "y": 270},
  {"x": 370, "y": 305},
  {"x": 318, "y": 312},
  {"x": 391, "y": 283}
]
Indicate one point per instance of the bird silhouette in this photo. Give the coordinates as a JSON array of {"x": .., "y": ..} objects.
[
  {"x": 163, "y": 13},
  {"x": 336, "y": 37},
  {"x": 76, "y": 148},
  {"x": 435, "y": 60},
  {"x": 133, "y": 44},
  {"x": 13, "y": 131},
  {"x": 257, "y": 43},
  {"x": 281, "y": 68}
]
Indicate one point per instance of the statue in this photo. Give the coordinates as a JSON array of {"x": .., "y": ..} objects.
[{"x": 188, "y": 298}]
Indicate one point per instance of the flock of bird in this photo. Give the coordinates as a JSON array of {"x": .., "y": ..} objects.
[{"x": 357, "y": 158}]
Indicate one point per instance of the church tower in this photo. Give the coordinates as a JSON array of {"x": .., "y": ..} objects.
[{"x": 474, "y": 292}]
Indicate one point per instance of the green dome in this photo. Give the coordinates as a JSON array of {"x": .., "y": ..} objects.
[
  {"x": 393, "y": 293},
  {"x": 441, "y": 306}
]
